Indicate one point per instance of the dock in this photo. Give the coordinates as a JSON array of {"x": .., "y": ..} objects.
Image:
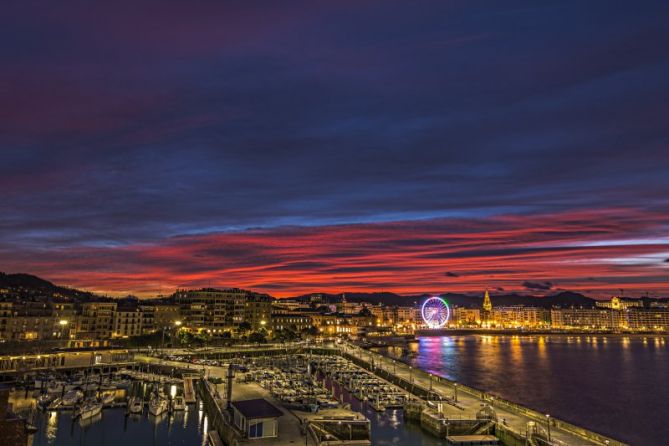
[{"x": 189, "y": 389}]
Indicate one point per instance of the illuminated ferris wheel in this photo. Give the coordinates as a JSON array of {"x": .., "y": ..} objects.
[{"x": 435, "y": 312}]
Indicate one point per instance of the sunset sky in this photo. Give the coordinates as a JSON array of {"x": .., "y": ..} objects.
[{"x": 291, "y": 147}]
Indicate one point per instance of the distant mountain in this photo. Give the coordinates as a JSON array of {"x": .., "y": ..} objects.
[
  {"x": 562, "y": 299},
  {"x": 383, "y": 297},
  {"x": 29, "y": 286}
]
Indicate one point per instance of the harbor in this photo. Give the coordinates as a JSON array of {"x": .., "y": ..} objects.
[{"x": 318, "y": 394}]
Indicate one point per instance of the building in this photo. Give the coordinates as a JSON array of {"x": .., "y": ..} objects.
[
  {"x": 466, "y": 317},
  {"x": 486, "y": 310},
  {"x": 294, "y": 322},
  {"x": 258, "y": 311},
  {"x": 95, "y": 320},
  {"x": 211, "y": 310},
  {"x": 128, "y": 321},
  {"x": 346, "y": 307},
  {"x": 520, "y": 316},
  {"x": 217, "y": 311},
  {"x": 332, "y": 324},
  {"x": 257, "y": 418},
  {"x": 165, "y": 315},
  {"x": 285, "y": 305},
  {"x": 638, "y": 319},
  {"x": 586, "y": 318},
  {"x": 620, "y": 303}
]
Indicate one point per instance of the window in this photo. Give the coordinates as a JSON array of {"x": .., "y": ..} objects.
[{"x": 256, "y": 430}]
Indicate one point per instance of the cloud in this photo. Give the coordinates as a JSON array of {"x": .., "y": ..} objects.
[
  {"x": 514, "y": 252},
  {"x": 294, "y": 147},
  {"x": 537, "y": 285}
]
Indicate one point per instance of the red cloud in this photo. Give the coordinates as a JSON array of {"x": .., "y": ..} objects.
[{"x": 596, "y": 252}]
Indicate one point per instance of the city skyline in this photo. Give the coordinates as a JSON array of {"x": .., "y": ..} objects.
[{"x": 336, "y": 147}]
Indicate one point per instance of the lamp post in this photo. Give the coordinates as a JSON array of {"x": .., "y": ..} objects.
[
  {"x": 548, "y": 424},
  {"x": 63, "y": 323},
  {"x": 430, "y": 382},
  {"x": 455, "y": 391},
  {"x": 410, "y": 375},
  {"x": 162, "y": 342}
]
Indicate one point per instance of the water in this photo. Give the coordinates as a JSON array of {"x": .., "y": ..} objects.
[
  {"x": 615, "y": 385},
  {"x": 113, "y": 428},
  {"x": 388, "y": 427}
]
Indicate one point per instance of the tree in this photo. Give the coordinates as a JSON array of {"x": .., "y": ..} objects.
[
  {"x": 257, "y": 337},
  {"x": 365, "y": 312},
  {"x": 311, "y": 331},
  {"x": 244, "y": 326}
]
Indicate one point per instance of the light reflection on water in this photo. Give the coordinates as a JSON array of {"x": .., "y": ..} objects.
[
  {"x": 56, "y": 428},
  {"x": 616, "y": 385}
]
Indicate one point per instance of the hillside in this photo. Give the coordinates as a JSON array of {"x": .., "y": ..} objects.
[
  {"x": 563, "y": 299},
  {"x": 29, "y": 286}
]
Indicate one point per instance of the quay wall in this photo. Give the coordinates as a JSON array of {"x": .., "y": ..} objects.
[{"x": 217, "y": 415}]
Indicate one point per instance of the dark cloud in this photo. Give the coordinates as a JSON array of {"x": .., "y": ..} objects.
[
  {"x": 123, "y": 130},
  {"x": 451, "y": 274},
  {"x": 309, "y": 114},
  {"x": 537, "y": 285}
]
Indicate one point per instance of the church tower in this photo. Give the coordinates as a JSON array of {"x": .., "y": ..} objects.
[
  {"x": 486, "y": 314},
  {"x": 487, "y": 305}
]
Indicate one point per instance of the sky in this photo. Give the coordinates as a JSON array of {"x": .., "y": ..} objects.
[{"x": 294, "y": 147}]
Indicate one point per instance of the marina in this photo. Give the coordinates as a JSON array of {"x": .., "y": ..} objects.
[{"x": 336, "y": 393}]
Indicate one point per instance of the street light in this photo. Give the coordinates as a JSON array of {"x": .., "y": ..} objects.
[
  {"x": 548, "y": 423},
  {"x": 63, "y": 323},
  {"x": 455, "y": 391}
]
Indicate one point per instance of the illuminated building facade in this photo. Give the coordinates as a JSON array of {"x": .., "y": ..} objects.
[{"x": 585, "y": 318}]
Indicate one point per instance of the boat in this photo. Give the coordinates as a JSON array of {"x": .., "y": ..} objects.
[
  {"x": 45, "y": 399},
  {"x": 178, "y": 403},
  {"x": 108, "y": 399},
  {"x": 158, "y": 405},
  {"x": 71, "y": 398},
  {"x": 55, "y": 387},
  {"x": 89, "y": 409},
  {"x": 135, "y": 405}
]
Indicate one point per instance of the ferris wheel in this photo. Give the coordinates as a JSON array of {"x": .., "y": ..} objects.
[{"x": 435, "y": 312}]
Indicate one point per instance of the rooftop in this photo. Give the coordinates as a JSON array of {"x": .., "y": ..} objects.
[{"x": 256, "y": 408}]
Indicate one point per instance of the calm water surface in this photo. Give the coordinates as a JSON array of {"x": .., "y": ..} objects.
[
  {"x": 113, "y": 428},
  {"x": 616, "y": 385}
]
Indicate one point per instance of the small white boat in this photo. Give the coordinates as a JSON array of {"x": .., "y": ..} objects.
[
  {"x": 178, "y": 403},
  {"x": 71, "y": 398},
  {"x": 135, "y": 405},
  {"x": 55, "y": 387},
  {"x": 108, "y": 399},
  {"x": 158, "y": 405},
  {"x": 89, "y": 409}
]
